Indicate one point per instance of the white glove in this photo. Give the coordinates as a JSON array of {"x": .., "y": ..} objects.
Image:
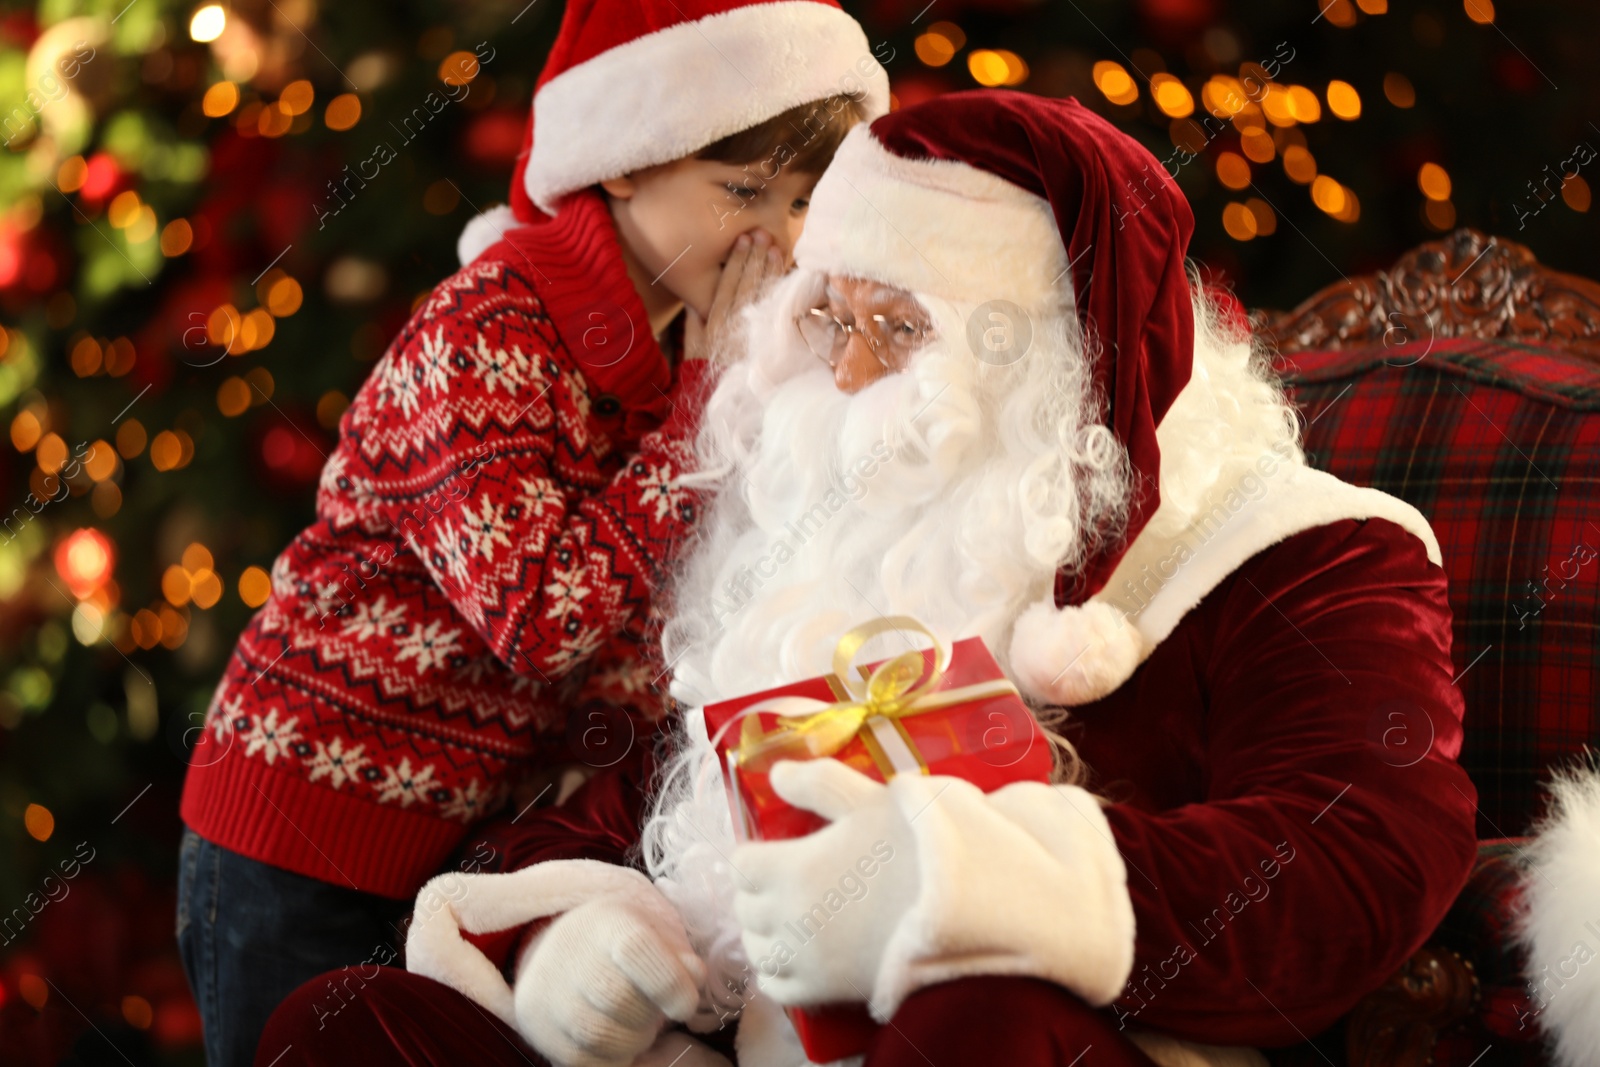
[
  {"x": 595, "y": 987},
  {"x": 1026, "y": 880},
  {"x": 817, "y": 911}
]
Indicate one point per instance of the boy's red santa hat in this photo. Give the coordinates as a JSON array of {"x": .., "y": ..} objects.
[
  {"x": 997, "y": 195},
  {"x": 633, "y": 83}
]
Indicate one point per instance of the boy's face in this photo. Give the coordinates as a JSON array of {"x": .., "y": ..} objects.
[{"x": 679, "y": 220}]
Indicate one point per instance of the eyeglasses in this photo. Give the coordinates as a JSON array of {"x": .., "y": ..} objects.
[{"x": 892, "y": 338}]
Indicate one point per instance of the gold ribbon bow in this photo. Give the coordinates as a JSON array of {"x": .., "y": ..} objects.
[{"x": 894, "y": 689}]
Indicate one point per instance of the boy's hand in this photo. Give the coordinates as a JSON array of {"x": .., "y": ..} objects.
[{"x": 753, "y": 263}]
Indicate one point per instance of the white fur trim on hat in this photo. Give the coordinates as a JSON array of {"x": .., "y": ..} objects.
[
  {"x": 668, "y": 94},
  {"x": 941, "y": 227},
  {"x": 484, "y": 230},
  {"x": 1560, "y": 923}
]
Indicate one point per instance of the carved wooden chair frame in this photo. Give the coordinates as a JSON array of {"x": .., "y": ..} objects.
[{"x": 1465, "y": 285}]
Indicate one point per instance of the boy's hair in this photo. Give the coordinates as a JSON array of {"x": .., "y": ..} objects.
[{"x": 811, "y": 132}]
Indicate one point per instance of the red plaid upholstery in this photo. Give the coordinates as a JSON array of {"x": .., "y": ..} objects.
[{"x": 1498, "y": 444}]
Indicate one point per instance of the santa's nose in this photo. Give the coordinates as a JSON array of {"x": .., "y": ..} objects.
[{"x": 858, "y": 367}]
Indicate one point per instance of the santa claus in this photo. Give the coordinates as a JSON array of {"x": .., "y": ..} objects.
[{"x": 991, "y": 397}]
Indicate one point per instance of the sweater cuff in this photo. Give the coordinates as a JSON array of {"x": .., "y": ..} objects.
[{"x": 1026, "y": 880}]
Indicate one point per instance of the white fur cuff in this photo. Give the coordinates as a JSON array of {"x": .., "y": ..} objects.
[
  {"x": 484, "y": 903},
  {"x": 1026, "y": 880}
]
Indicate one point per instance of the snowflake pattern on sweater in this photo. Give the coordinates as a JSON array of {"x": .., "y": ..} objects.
[{"x": 481, "y": 565}]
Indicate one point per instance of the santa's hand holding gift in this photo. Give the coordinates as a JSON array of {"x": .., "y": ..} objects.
[{"x": 992, "y": 398}]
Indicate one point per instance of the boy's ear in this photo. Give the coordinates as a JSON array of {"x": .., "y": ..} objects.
[{"x": 621, "y": 188}]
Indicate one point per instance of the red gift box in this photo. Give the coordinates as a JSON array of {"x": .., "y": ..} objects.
[{"x": 917, "y": 713}]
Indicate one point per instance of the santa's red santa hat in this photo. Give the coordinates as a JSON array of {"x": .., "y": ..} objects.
[
  {"x": 997, "y": 195},
  {"x": 993, "y": 195},
  {"x": 633, "y": 83}
]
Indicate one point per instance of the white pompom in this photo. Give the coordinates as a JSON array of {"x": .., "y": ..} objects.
[
  {"x": 1074, "y": 655},
  {"x": 483, "y": 231}
]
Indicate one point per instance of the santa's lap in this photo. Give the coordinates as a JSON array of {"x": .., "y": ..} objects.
[{"x": 400, "y": 1018}]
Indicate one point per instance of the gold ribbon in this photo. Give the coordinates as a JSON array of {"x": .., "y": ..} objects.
[{"x": 894, "y": 689}]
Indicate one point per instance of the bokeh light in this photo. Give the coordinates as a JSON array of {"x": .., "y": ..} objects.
[
  {"x": 1115, "y": 82},
  {"x": 208, "y": 23},
  {"x": 1434, "y": 182}
]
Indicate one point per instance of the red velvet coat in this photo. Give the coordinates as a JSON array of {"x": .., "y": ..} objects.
[{"x": 1287, "y": 797}]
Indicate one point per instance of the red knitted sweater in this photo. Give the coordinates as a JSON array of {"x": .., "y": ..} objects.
[{"x": 472, "y": 601}]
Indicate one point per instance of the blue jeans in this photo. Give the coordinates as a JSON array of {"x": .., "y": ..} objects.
[{"x": 250, "y": 933}]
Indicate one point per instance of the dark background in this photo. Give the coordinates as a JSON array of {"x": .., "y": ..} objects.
[{"x": 151, "y": 235}]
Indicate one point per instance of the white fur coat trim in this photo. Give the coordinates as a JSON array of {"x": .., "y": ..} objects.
[
  {"x": 1560, "y": 923},
  {"x": 1077, "y": 655},
  {"x": 933, "y": 226},
  {"x": 668, "y": 94},
  {"x": 485, "y": 903},
  {"x": 1026, "y": 880}
]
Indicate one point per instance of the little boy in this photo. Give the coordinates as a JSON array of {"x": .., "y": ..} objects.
[{"x": 471, "y": 604}]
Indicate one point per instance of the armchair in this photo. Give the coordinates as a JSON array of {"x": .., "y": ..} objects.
[{"x": 1466, "y": 380}]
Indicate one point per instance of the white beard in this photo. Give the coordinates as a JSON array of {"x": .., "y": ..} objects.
[{"x": 951, "y": 492}]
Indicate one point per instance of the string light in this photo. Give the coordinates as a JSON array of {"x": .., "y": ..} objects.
[
  {"x": 208, "y": 23},
  {"x": 342, "y": 112},
  {"x": 1171, "y": 96},
  {"x": 1398, "y": 91},
  {"x": 39, "y": 822},
  {"x": 1343, "y": 100},
  {"x": 996, "y": 66},
  {"x": 254, "y": 587},
  {"x": 220, "y": 100},
  {"x": 1434, "y": 182},
  {"x": 1239, "y": 222},
  {"x": 84, "y": 560},
  {"x": 1115, "y": 82},
  {"x": 1233, "y": 170}
]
